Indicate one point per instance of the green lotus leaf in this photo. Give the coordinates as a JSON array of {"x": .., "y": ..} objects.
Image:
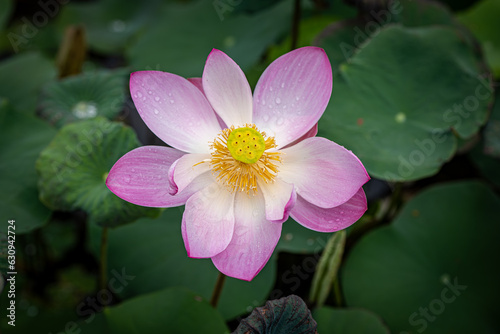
[
  {"x": 83, "y": 96},
  {"x": 174, "y": 310},
  {"x": 73, "y": 168},
  {"x": 348, "y": 321},
  {"x": 286, "y": 315},
  {"x": 434, "y": 268},
  {"x": 400, "y": 99}
]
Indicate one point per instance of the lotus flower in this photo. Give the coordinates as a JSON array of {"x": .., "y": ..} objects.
[{"x": 241, "y": 164}]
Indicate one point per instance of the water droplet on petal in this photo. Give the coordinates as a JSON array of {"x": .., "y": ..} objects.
[
  {"x": 263, "y": 102},
  {"x": 126, "y": 179},
  {"x": 265, "y": 118},
  {"x": 150, "y": 92},
  {"x": 156, "y": 112},
  {"x": 280, "y": 121},
  {"x": 282, "y": 85},
  {"x": 157, "y": 98},
  {"x": 172, "y": 101},
  {"x": 139, "y": 94},
  {"x": 297, "y": 98},
  {"x": 278, "y": 100},
  {"x": 271, "y": 89}
]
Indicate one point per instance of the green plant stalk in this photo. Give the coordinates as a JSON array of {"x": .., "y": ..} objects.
[{"x": 219, "y": 284}]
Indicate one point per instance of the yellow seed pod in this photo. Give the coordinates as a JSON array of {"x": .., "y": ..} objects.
[{"x": 246, "y": 145}]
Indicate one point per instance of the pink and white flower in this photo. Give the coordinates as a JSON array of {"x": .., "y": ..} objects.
[{"x": 241, "y": 164}]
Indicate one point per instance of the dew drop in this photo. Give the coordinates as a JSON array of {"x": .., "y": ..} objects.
[
  {"x": 118, "y": 26},
  {"x": 265, "y": 118},
  {"x": 156, "y": 112},
  {"x": 150, "y": 92},
  {"x": 84, "y": 109},
  {"x": 126, "y": 179},
  {"x": 288, "y": 236},
  {"x": 139, "y": 94},
  {"x": 278, "y": 100},
  {"x": 337, "y": 220},
  {"x": 172, "y": 101},
  {"x": 271, "y": 89},
  {"x": 280, "y": 121},
  {"x": 400, "y": 117},
  {"x": 263, "y": 102},
  {"x": 297, "y": 98},
  {"x": 445, "y": 279},
  {"x": 282, "y": 85},
  {"x": 157, "y": 98}
]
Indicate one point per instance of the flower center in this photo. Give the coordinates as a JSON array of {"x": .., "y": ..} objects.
[
  {"x": 246, "y": 144},
  {"x": 240, "y": 158}
]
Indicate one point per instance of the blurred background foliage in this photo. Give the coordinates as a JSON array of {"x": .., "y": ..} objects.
[{"x": 414, "y": 98}]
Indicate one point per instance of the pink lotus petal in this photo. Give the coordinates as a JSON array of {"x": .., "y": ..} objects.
[
  {"x": 329, "y": 220},
  {"x": 309, "y": 134},
  {"x": 186, "y": 169},
  {"x": 279, "y": 198},
  {"x": 253, "y": 242},
  {"x": 324, "y": 173},
  {"x": 208, "y": 221},
  {"x": 141, "y": 177},
  {"x": 175, "y": 110},
  {"x": 227, "y": 89},
  {"x": 292, "y": 94},
  {"x": 198, "y": 83}
]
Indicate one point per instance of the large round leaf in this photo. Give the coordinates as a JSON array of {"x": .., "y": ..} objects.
[
  {"x": 175, "y": 310},
  {"x": 153, "y": 251},
  {"x": 83, "y": 96},
  {"x": 399, "y": 99},
  {"x": 244, "y": 37},
  {"x": 435, "y": 267},
  {"x": 23, "y": 76},
  {"x": 348, "y": 321},
  {"x": 74, "y": 167},
  {"x": 23, "y": 137}
]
